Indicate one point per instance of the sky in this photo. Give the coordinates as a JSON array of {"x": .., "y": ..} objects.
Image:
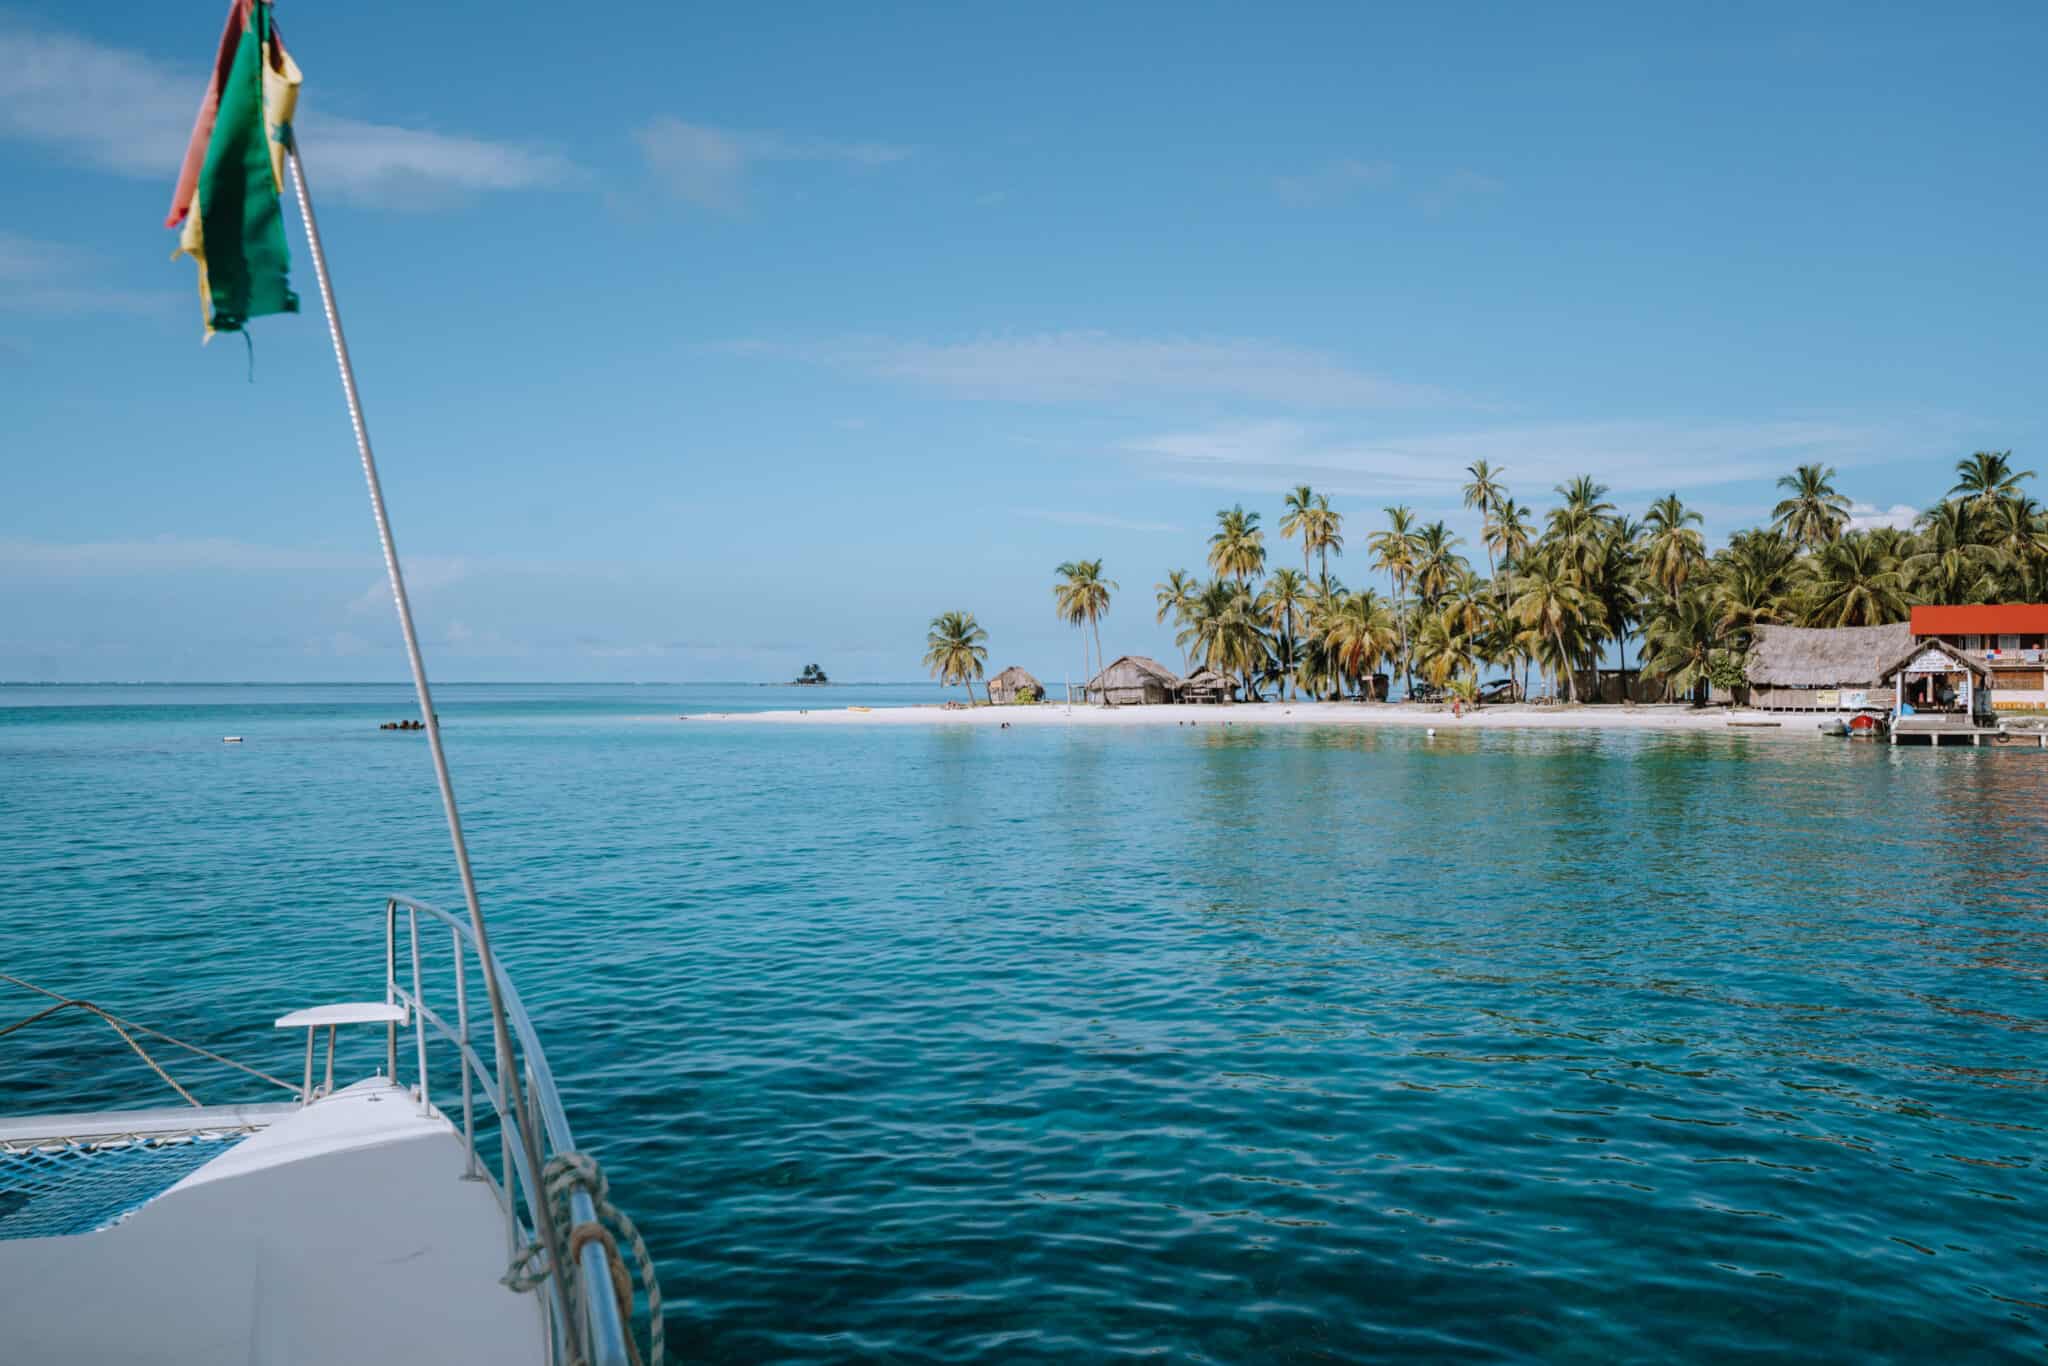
[{"x": 703, "y": 342}]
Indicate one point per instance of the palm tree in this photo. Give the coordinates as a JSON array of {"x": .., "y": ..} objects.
[
  {"x": 1948, "y": 564},
  {"x": 1224, "y": 632},
  {"x": 1437, "y": 563},
  {"x": 1082, "y": 596},
  {"x": 1681, "y": 633},
  {"x": 1988, "y": 478},
  {"x": 1176, "y": 596},
  {"x": 1393, "y": 554},
  {"x": 1300, "y": 503},
  {"x": 1238, "y": 549},
  {"x": 1507, "y": 533},
  {"x": 1484, "y": 493},
  {"x": 1754, "y": 583},
  {"x": 1326, "y": 533},
  {"x": 954, "y": 650},
  {"x": 1550, "y": 603},
  {"x": 1854, "y": 583},
  {"x": 1814, "y": 514},
  {"x": 1673, "y": 551},
  {"x": 1283, "y": 606},
  {"x": 1359, "y": 632}
]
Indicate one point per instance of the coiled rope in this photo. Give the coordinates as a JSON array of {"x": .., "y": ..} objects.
[{"x": 562, "y": 1176}]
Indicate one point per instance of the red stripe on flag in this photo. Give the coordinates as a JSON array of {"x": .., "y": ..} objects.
[{"x": 209, "y": 107}]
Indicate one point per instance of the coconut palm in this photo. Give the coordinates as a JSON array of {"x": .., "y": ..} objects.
[
  {"x": 1325, "y": 534},
  {"x": 1359, "y": 632},
  {"x": 1393, "y": 554},
  {"x": 1176, "y": 596},
  {"x": 1283, "y": 606},
  {"x": 1507, "y": 533},
  {"x": 1437, "y": 562},
  {"x": 1081, "y": 597},
  {"x": 1854, "y": 583},
  {"x": 1814, "y": 513},
  {"x": 1484, "y": 493},
  {"x": 1681, "y": 633},
  {"x": 1947, "y": 563},
  {"x": 954, "y": 650},
  {"x": 1754, "y": 582},
  {"x": 1300, "y": 503},
  {"x": 1238, "y": 549},
  {"x": 1987, "y": 478},
  {"x": 1224, "y": 632},
  {"x": 1673, "y": 549},
  {"x": 1550, "y": 602}
]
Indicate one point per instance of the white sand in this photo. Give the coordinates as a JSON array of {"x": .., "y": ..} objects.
[{"x": 1511, "y": 717}]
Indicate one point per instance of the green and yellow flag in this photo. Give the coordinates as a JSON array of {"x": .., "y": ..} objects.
[{"x": 227, "y": 200}]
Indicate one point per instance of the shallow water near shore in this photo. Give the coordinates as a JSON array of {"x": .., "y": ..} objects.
[{"x": 957, "y": 1044}]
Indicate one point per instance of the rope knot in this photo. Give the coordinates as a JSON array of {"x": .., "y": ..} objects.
[{"x": 563, "y": 1175}]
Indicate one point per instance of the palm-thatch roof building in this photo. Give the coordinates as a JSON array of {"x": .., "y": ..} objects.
[
  {"x": 1206, "y": 685},
  {"x": 1797, "y": 668},
  {"x": 1134, "y": 680},
  {"x": 1015, "y": 685}
]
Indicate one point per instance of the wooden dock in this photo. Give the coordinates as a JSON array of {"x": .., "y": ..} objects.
[{"x": 1960, "y": 731}]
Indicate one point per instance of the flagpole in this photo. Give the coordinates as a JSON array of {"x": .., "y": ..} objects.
[{"x": 508, "y": 1075}]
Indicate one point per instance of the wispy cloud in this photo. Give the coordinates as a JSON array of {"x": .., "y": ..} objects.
[
  {"x": 1333, "y": 181},
  {"x": 1097, "y": 519},
  {"x": 708, "y": 166},
  {"x": 1631, "y": 456},
  {"x": 1071, "y": 366},
  {"x": 57, "y": 279},
  {"x": 125, "y": 112}
]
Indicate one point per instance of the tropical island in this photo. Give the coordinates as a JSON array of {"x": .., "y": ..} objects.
[
  {"x": 811, "y": 677},
  {"x": 1554, "y": 595}
]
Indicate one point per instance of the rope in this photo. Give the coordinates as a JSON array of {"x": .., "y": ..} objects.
[
  {"x": 565, "y": 1174},
  {"x": 126, "y": 1038},
  {"x": 157, "y": 1034}
]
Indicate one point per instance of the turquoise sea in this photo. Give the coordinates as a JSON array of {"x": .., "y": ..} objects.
[{"x": 937, "y": 1045}]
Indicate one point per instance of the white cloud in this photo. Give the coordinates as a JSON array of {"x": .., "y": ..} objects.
[
  {"x": 1630, "y": 456},
  {"x": 424, "y": 575},
  {"x": 1868, "y": 516},
  {"x": 124, "y": 112},
  {"x": 708, "y": 166},
  {"x": 1096, "y": 519},
  {"x": 1067, "y": 366},
  {"x": 1331, "y": 181}
]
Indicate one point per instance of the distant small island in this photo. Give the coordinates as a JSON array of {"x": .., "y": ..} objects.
[{"x": 812, "y": 676}]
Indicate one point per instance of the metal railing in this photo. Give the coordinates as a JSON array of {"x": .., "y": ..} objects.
[{"x": 594, "y": 1323}]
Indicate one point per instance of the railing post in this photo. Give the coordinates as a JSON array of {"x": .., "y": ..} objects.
[
  {"x": 419, "y": 1016},
  {"x": 390, "y": 987},
  {"x": 469, "y": 1169}
]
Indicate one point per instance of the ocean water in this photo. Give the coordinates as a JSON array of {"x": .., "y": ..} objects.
[{"x": 930, "y": 1045}]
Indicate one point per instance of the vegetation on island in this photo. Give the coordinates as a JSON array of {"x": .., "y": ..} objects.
[
  {"x": 1558, "y": 593},
  {"x": 812, "y": 676},
  {"x": 955, "y": 652}
]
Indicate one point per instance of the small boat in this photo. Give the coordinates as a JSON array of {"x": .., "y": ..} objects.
[
  {"x": 1834, "y": 725},
  {"x": 231, "y": 739},
  {"x": 860, "y": 708},
  {"x": 1755, "y": 725}
]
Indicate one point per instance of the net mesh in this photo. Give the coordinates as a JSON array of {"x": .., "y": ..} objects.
[{"x": 56, "y": 1189}]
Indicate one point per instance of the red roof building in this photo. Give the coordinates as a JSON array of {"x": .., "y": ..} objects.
[{"x": 2010, "y": 638}]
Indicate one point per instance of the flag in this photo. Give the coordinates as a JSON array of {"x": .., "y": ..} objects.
[{"x": 227, "y": 201}]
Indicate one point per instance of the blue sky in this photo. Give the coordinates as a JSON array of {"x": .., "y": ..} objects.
[{"x": 701, "y": 343}]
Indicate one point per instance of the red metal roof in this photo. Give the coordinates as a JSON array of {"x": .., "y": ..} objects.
[{"x": 2010, "y": 618}]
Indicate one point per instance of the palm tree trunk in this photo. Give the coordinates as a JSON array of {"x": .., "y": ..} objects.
[{"x": 1096, "y": 621}]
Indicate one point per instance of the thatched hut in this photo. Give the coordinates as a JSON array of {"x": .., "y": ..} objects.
[
  {"x": 1797, "y": 668},
  {"x": 1015, "y": 685},
  {"x": 1133, "y": 680},
  {"x": 1206, "y": 685}
]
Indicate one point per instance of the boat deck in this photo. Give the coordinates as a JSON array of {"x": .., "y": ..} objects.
[
  {"x": 342, "y": 1232},
  {"x": 1938, "y": 729}
]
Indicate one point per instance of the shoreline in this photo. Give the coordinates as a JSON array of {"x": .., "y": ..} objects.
[{"x": 1664, "y": 717}]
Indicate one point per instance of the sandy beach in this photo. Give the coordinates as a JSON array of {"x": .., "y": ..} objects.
[{"x": 1508, "y": 717}]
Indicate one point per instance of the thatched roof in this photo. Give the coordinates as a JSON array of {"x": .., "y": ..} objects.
[
  {"x": 1208, "y": 680},
  {"x": 1015, "y": 677},
  {"x": 1939, "y": 646},
  {"x": 1801, "y": 657},
  {"x": 1130, "y": 671}
]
